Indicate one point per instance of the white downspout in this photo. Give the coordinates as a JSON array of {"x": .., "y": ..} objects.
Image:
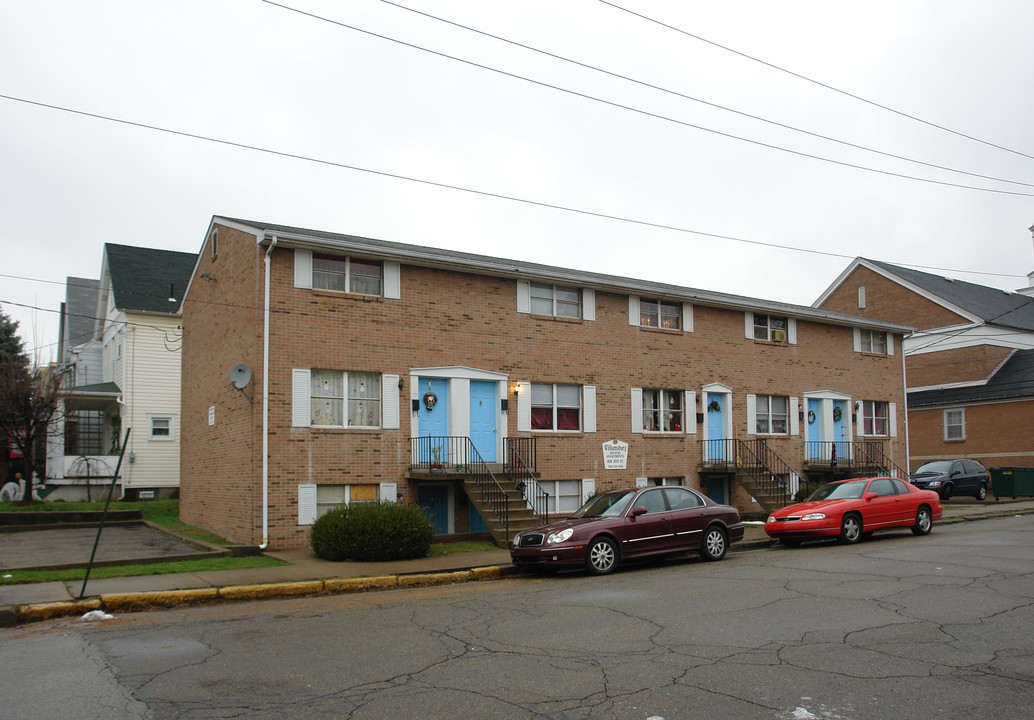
[
  {"x": 265, "y": 405},
  {"x": 904, "y": 383}
]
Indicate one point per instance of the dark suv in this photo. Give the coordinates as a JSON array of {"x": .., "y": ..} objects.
[{"x": 953, "y": 477}]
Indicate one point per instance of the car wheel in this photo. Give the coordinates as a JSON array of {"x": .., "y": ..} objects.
[
  {"x": 924, "y": 522},
  {"x": 714, "y": 544},
  {"x": 850, "y": 529},
  {"x": 945, "y": 493},
  {"x": 982, "y": 493},
  {"x": 601, "y": 557}
]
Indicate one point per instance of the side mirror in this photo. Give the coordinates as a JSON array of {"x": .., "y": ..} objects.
[
  {"x": 871, "y": 496},
  {"x": 638, "y": 510}
]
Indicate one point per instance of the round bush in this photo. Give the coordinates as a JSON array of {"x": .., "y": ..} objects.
[{"x": 372, "y": 532}]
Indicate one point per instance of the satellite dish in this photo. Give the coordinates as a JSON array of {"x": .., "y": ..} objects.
[{"x": 240, "y": 376}]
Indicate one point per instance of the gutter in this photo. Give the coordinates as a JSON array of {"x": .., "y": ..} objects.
[{"x": 265, "y": 403}]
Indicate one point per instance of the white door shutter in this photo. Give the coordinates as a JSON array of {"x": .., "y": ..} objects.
[
  {"x": 589, "y": 408},
  {"x": 633, "y": 310},
  {"x": 301, "y": 407},
  {"x": 690, "y": 412},
  {"x": 752, "y": 414},
  {"x": 524, "y": 407},
  {"x": 306, "y": 504},
  {"x": 791, "y": 330},
  {"x": 523, "y": 296},
  {"x": 795, "y": 417},
  {"x": 637, "y": 411},
  {"x": 303, "y": 269},
  {"x": 687, "y": 317},
  {"x": 392, "y": 281},
  {"x": 388, "y": 492},
  {"x": 390, "y": 402},
  {"x": 588, "y": 488},
  {"x": 892, "y": 412},
  {"x": 748, "y": 324},
  {"x": 857, "y": 340},
  {"x": 588, "y": 304},
  {"x": 641, "y": 482}
]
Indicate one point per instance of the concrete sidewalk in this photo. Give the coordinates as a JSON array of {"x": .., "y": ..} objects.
[{"x": 306, "y": 574}]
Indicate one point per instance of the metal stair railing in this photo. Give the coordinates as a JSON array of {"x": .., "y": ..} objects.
[
  {"x": 522, "y": 476},
  {"x": 876, "y": 461},
  {"x": 769, "y": 472},
  {"x": 829, "y": 452},
  {"x": 523, "y": 448}
]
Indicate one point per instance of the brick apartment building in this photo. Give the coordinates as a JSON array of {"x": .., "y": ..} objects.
[
  {"x": 970, "y": 364},
  {"x": 322, "y": 369}
]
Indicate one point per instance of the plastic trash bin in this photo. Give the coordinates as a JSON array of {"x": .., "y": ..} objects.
[{"x": 1012, "y": 482}]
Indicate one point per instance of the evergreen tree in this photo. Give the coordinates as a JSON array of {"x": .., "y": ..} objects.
[{"x": 11, "y": 346}]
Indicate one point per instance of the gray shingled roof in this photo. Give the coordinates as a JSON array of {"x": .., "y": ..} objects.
[
  {"x": 1014, "y": 379},
  {"x": 141, "y": 278},
  {"x": 993, "y": 306}
]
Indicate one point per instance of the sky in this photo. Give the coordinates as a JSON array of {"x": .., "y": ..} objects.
[{"x": 676, "y": 142}]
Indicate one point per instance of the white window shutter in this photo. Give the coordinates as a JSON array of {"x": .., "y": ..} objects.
[
  {"x": 791, "y": 328},
  {"x": 637, "y": 411},
  {"x": 390, "y": 402},
  {"x": 523, "y": 296},
  {"x": 690, "y": 412},
  {"x": 641, "y": 482},
  {"x": 303, "y": 269},
  {"x": 589, "y": 408},
  {"x": 861, "y": 297},
  {"x": 301, "y": 407},
  {"x": 892, "y": 413},
  {"x": 687, "y": 317},
  {"x": 388, "y": 492},
  {"x": 392, "y": 281},
  {"x": 588, "y": 488},
  {"x": 524, "y": 407},
  {"x": 588, "y": 304},
  {"x": 752, "y": 414},
  {"x": 633, "y": 310},
  {"x": 890, "y": 343},
  {"x": 306, "y": 504},
  {"x": 748, "y": 324},
  {"x": 795, "y": 416},
  {"x": 857, "y": 339}
]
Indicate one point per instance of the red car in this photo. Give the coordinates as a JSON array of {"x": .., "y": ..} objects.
[
  {"x": 625, "y": 524},
  {"x": 850, "y": 510}
]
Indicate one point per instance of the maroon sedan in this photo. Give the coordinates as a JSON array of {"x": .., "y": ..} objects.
[
  {"x": 850, "y": 510},
  {"x": 618, "y": 526}
]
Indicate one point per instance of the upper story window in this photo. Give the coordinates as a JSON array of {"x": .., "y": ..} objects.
[
  {"x": 654, "y": 313},
  {"x": 954, "y": 423},
  {"x": 555, "y": 407},
  {"x": 555, "y": 300},
  {"x": 772, "y": 413},
  {"x": 875, "y": 418},
  {"x": 340, "y": 399},
  {"x": 873, "y": 341},
  {"x": 662, "y": 410},
  {"x": 347, "y": 274},
  {"x": 773, "y": 328}
]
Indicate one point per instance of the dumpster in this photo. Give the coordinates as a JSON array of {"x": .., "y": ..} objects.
[{"x": 1012, "y": 482}]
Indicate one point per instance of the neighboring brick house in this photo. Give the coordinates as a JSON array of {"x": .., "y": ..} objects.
[
  {"x": 120, "y": 356},
  {"x": 321, "y": 369},
  {"x": 970, "y": 364}
]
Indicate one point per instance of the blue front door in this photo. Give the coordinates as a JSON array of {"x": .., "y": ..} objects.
[
  {"x": 483, "y": 418},
  {"x": 477, "y": 523},
  {"x": 434, "y": 499},
  {"x": 434, "y": 420},
  {"x": 715, "y": 427},
  {"x": 838, "y": 431},
  {"x": 716, "y": 488}
]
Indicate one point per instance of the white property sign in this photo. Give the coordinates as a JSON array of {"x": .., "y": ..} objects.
[{"x": 615, "y": 455}]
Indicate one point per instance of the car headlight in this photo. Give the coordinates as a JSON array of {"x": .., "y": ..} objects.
[
  {"x": 814, "y": 516},
  {"x": 559, "y": 537},
  {"x": 771, "y": 518},
  {"x": 517, "y": 540},
  {"x": 935, "y": 483}
]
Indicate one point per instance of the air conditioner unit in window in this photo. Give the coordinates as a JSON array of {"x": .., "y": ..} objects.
[{"x": 779, "y": 336}]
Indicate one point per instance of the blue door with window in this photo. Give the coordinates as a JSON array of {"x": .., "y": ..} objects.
[
  {"x": 434, "y": 499},
  {"x": 483, "y": 418},
  {"x": 434, "y": 420}
]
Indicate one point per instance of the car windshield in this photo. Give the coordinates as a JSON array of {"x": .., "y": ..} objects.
[
  {"x": 609, "y": 505},
  {"x": 840, "y": 491},
  {"x": 936, "y": 467}
]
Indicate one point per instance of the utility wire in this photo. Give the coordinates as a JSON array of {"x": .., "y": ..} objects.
[
  {"x": 684, "y": 96},
  {"x": 816, "y": 82},
  {"x": 639, "y": 111}
]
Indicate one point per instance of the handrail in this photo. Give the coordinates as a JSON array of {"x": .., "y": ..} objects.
[
  {"x": 877, "y": 460},
  {"x": 524, "y": 479},
  {"x": 769, "y": 471},
  {"x": 524, "y": 448},
  {"x": 829, "y": 452}
]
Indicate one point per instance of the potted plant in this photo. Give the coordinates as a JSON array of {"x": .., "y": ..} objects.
[{"x": 436, "y": 458}]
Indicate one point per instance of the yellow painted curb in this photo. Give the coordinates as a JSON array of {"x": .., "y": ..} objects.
[
  {"x": 491, "y": 572},
  {"x": 308, "y": 587},
  {"x": 45, "y": 611},
  {"x": 360, "y": 584},
  {"x": 442, "y": 578},
  {"x": 128, "y": 602}
]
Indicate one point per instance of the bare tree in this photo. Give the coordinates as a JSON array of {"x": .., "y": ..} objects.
[{"x": 28, "y": 403}]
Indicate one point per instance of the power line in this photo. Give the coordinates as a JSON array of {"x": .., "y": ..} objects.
[
  {"x": 657, "y": 116},
  {"x": 708, "y": 103},
  {"x": 816, "y": 82}
]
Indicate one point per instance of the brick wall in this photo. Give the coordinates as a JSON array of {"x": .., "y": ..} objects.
[
  {"x": 889, "y": 301},
  {"x": 997, "y": 434},
  {"x": 952, "y": 366}
]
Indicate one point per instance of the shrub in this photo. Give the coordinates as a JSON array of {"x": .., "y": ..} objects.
[
  {"x": 805, "y": 490},
  {"x": 372, "y": 532}
]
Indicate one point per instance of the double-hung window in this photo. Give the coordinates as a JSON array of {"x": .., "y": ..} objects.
[
  {"x": 346, "y": 274},
  {"x": 345, "y": 399},
  {"x": 954, "y": 421},
  {"x": 873, "y": 341},
  {"x": 555, "y": 300},
  {"x": 654, "y": 313},
  {"x": 662, "y": 410},
  {"x": 160, "y": 427},
  {"x": 555, "y": 407},
  {"x": 875, "y": 418},
  {"x": 772, "y": 328},
  {"x": 772, "y": 413}
]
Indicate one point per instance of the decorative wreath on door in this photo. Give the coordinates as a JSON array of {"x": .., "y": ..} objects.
[
  {"x": 430, "y": 399},
  {"x": 811, "y": 417},
  {"x": 713, "y": 406},
  {"x": 837, "y": 414}
]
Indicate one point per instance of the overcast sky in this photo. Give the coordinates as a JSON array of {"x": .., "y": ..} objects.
[{"x": 382, "y": 90}]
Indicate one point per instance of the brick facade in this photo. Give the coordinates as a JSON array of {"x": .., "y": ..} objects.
[
  {"x": 888, "y": 300},
  {"x": 446, "y": 317},
  {"x": 997, "y": 434}
]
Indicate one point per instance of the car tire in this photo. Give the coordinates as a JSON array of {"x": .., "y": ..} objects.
[
  {"x": 850, "y": 530},
  {"x": 946, "y": 493},
  {"x": 714, "y": 545},
  {"x": 601, "y": 557},
  {"x": 924, "y": 521},
  {"x": 982, "y": 493}
]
